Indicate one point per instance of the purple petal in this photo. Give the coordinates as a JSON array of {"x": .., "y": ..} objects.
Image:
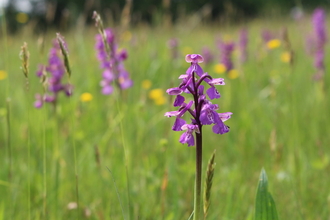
[
  {"x": 194, "y": 58},
  {"x": 213, "y": 93},
  {"x": 201, "y": 90},
  {"x": 108, "y": 75},
  {"x": 38, "y": 104},
  {"x": 217, "y": 81},
  {"x": 225, "y": 116},
  {"x": 172, "y": 113},
  {"x": 186, "y": 107},
  {"x": 49, "y": 98},
  {"x": 220, "y": 128},
  {"x": 125, "y": 84},
  {"x": 174, "y": 91},
  {"x": 207, "y": 116},
  {"x": 179, "y": 100},
  {"x": 107, "y": 90},
  {"x": 179, "y": 122},
  {"x": 187, "y": 137}
]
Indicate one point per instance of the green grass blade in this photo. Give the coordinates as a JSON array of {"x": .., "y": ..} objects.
[{"x": 265, "y": 208}]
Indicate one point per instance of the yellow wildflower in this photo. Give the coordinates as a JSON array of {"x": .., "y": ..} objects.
[
  {"x": 286, "y": 57},
  {"x": 86, "y": 97},
  {"x": 220, "y": 68},
  {"x": 233, "y": 74},
  {"x": 146, "y": 84},
  {"x": 126, "y": 36},
  {"x": 272, "y": 44},
  {"x": 156, "y": 93},
  {"x": 158, "y": 96},
  {"x": 3, "y": 112},
  {"x": 22, "y": 17},
  {"x": 3, "y": 75},
  {"x": 227, "y": 37},
  {"x": 160, "y": 101}
]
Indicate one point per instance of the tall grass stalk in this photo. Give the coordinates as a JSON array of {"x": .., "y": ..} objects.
[
  {"x": 7, "y": 101},
  {"x": 73, "y": 142},
  {"x": 114, "y": 183},
  {"x": 28, "y": 147},
  {"x": 125, "y": 157},
  {"x": 24, "y": 56},
  {"x": 9, "y": 139},
  {"x": 73, "y": 121}
]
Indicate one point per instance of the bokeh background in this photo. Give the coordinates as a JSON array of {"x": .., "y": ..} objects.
[{"x": 116, "y": 157}]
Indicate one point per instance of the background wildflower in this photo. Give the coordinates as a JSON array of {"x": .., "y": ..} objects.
[
  {"x": 111, "y": 61},
  {"x": 274, "y": 43},
  {"x": 266, "y": 36},
  {"x": 51, "y": 76},
  {"x": 3, "y": 74},
  {"x": 173, "y": 45},
  {"x": 146, "y": 84},
  {"x": 320, "y": 39},
  {"x": 242, "y": 45},
  {"x": 157, "y": 95},
  {"x": 286, "y": 57},
  {"x": 226, "y": 50},
  {"x": 207, "y": 55},
  {"x": 233, "y": 74},
  {"x": 220, "y": 68},
  {"x": 86, "y": 97}
]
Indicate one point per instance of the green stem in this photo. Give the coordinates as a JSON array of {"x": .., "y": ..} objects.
[
  {"x": 44, "y": 168},
  {"x": 198, "y": 178},
  {"x": 28, "y": 151}
]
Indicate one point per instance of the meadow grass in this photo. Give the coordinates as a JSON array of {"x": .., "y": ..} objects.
[{"x": 279, "y": 122}]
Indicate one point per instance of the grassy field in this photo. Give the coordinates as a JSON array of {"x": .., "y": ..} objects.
[{"x": 116, "y": 156}]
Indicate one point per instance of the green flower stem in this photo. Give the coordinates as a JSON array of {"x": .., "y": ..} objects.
[{"x": 198, "y": 178}]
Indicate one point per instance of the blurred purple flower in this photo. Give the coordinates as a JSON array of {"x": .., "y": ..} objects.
[
  {"x": 56, "y": 70},
  {"x": 204, "y": 112},
  {"x": 207, "y": 54},
  {"x": 319, "y": 27},
  {"x": 319, "y": 60},
  {"x": 111, "y": 61},
  {"x": 173, "y": 45},
  {"x": 226, "y": 50},
  {"x": 242, "y": 45},
  {"x": 266, "y": 36},
  {"x": 315, "y": 44}
]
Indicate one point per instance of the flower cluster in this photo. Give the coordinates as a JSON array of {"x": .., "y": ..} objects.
[
  {"x": 203, "y": 112},
  {"x": 51, "y": 75},
  {"x": 267, "y": 36},
  {"x": 111, "y": 60},
  {"x": 173, "y": 45},
  {"x": 226, "y": 50},
  {"x": 242, "y": 45},
  {"x": 320, "y": 38},
  {"x": 207, "y": 55}
]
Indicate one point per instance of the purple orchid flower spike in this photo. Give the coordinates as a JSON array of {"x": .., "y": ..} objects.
[
  {"x": 52, "y": 76},
  {"x": 316, "y": 42},
  {"x": 111, "y": 60},
  {"x": 207, "y": 54},
  {"x": 204, "y": 112},
  {"x": 226, "y": 50},
  {"x": 201, "y": 111},
  {"x": 242, "y": 45}
]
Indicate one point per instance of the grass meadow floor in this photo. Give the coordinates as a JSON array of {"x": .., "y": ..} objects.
[{"x": 128, "y": 161}]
